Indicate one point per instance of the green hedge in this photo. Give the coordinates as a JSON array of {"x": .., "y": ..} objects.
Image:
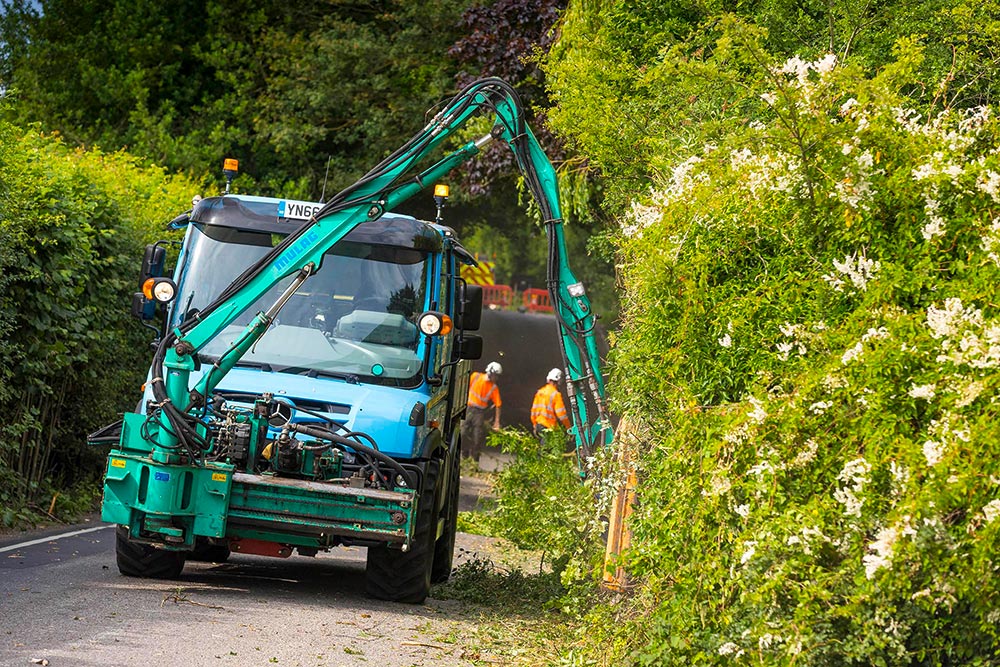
[
  {"x": 72, "y": 227},
  {"x": 810, "y": 344}
]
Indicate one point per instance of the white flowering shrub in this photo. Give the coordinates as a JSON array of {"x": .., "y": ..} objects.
[{"x": 812, "y": 329}]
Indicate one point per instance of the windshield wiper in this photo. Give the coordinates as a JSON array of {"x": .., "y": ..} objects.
[
  {"x": 255, "y": 364},
  {"x": 350, "y": 378},
  {"x": 211, "y": 359}
]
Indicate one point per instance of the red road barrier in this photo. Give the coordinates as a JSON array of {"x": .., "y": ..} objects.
[
  {"x": 537, "y": 300},
  {"x": 501, "y": 296}
]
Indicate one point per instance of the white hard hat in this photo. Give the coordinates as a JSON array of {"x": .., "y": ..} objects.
[
  {"x": 494, "y": 368},
  {"x": 555, "y": 375}
]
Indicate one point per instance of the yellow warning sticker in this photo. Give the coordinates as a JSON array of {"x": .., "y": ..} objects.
[
  {"x": 117, "y": 463},
  {"x": 219, "y": 477}
]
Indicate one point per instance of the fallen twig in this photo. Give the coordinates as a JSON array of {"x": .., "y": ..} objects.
[
  {"x": 423, "y": 644},
  {"x": 178, "y": 597}
]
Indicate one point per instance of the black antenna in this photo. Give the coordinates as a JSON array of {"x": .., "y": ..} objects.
[{"x": 322, "y": 195}]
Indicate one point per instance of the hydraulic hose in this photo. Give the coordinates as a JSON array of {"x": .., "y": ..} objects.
[
  {"x": 325, "y": 434},
  {"x": 375, "y": 187}
]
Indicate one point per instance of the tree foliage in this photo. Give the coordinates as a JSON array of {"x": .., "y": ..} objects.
[
  {"x": 72, "y": 224},
  {"x": 285, "y": 86},
  {"x": 636, "y": 85}
]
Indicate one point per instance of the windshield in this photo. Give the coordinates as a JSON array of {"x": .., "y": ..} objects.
[{"x": 355, "y": 317}]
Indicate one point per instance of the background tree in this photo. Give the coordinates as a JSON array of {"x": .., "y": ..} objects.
[
  {"x": 285, "y": 86},
  {"x": 507, "y": 39}
]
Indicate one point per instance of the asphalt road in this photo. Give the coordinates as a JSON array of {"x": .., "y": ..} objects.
[{"x": 63, "y": 602}]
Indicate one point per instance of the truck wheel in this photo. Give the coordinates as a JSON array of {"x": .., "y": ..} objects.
[
  {"x": 401, "y": 576},
  {"x": 141, "y": 560},
  {"x": 207, "y": 552},
  {"x": 444, "y": 548}
]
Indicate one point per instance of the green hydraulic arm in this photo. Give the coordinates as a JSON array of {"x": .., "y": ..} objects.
[{"x": 395, "y": 179}]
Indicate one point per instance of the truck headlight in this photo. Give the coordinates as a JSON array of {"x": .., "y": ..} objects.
[
  {"x": 434, "y": 323},
  {"x": 162, "y": 290}
]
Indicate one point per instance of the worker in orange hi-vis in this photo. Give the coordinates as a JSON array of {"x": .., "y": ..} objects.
[
  {"x": 548, "y": 408},
  {"x": 483, "y": 391}
]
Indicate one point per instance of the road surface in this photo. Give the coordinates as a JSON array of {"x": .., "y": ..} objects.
[{"x": 63, "y": 602}]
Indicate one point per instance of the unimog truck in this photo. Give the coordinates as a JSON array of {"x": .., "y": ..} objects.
[{"x": 311, "y": 371}]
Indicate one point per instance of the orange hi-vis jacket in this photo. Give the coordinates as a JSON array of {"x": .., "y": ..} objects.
[
  {"x": 548, "y": 407},
  {"x": 482, "y": 392}
]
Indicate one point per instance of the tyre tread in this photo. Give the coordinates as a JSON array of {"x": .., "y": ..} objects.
[
  {"x": 398, "y": 576},
  {"x": 140, "y": 560}
]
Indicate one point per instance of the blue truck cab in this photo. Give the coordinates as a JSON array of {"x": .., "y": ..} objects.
[
  {"x": 340, "y": 425},
  {"x": 346, "y": 345}
]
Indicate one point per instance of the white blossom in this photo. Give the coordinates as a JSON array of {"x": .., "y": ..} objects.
[
  {"x": 925, "y": 391},
  {"x": 807, "y": 537},
  {"x": 826, "y": 64},
  {"x": 852, "y": 504},
  {"x": 852, "y": 353},
  {"x": 991, "y": 510},
  {"x": 966, "y": 339},
  {"x": 748, "y": 552},
  {"x": 857, "y": 268},
  {"x": 729, "y": 648},
  {"x": 969, "y": 392},
  {"x": 882, "y": 548},
  {"x": 847, "y": 106},
  {"x": 990, "y": 241},
  {"x": 737, "y": 436},
  {"x": 944, "y": 322},
  {"x": 989, "y": 182},
  {"x": 881, "y": 552},
  {"x": 683, "y": 178},
  {"x": 875, "y": 334},
  {"x": 820, "y": 407},
  {"x": 935, "y": 221},
  {"x": 854, "y": 476},
  {"x": 717, "y": 486},
  {"x": 933, "y": 452},
  {"x": 766, "y": 172},
  {"x": 798, "y": 337},
  {"x": 855, "y": 471},
  {"x": 758, "y": 414},
  {"x": 807, "y": 454},
  {"x": 900, "y": 476}
]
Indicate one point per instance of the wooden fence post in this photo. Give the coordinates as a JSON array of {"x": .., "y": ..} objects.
[{"x": 619, "y": 536}]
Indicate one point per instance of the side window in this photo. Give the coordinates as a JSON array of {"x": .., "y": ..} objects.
[{"x": 447, "y": 285}]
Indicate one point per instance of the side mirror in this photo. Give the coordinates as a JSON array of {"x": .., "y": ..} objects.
[
  {"x": 141, "y": 308},
  {"x": 153, "y": 261},
  {"x": 469, "y": 346},
  {"x": 471, "y": 308}
]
